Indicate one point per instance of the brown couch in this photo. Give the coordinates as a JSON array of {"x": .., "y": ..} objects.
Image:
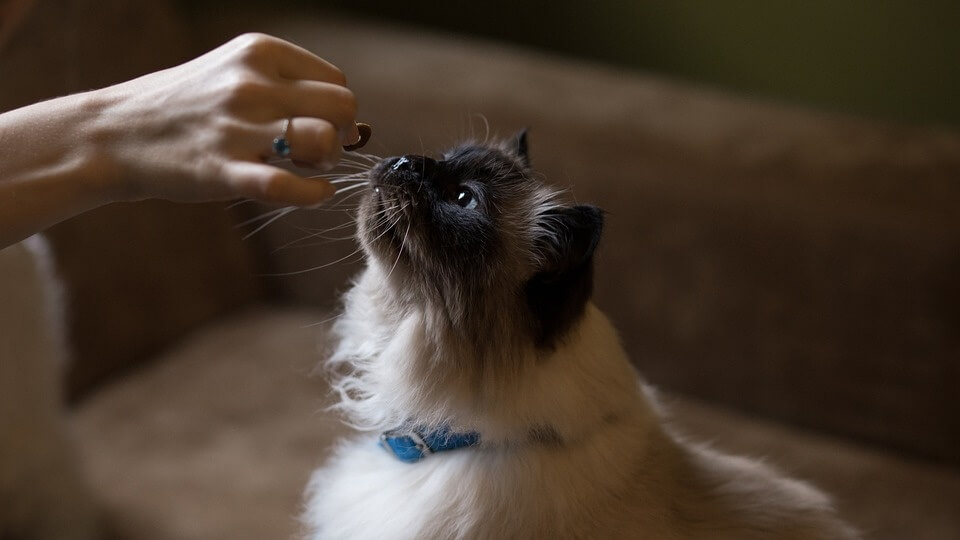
[{"x": 787, "y": 276}]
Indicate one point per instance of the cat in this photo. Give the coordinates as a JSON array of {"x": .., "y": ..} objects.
[
  {"x": 504, "y": 403},
  {"x": 43, "y": 494}
]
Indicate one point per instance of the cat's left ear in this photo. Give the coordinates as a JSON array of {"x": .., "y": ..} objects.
[
  {"x": 558, "y": 293},
  {"x": 521, "y": 148}
]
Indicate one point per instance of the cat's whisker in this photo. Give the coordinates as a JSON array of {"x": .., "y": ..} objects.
[
  {"x": 362, "y": 155},
  {"x": 328, "y": 239},
  {"x": 325, "y": 321},
  {"x": 353, "y": 173},
  {"x": 367, "y": 155},
  {"x": 352, "y": 187},
  {"x": 340, "y": 176},
  {"x": 315, "y": 268},
  {"x": 309, "y": 230},
  {"x": 349, "y": 164},
  {"x": 332, "y": 209},
  {"x": 352, "y": 157},
  {"x": 350, "y": 180},
  {"x": 350, "y": 191},
  {"x": 282, "y": 213},
  {"x": 384, "y": 216},
  {"x": 234, "y": 204},
  {"x": 357, "y": 160},
  {"x": 399, "y": 215},
  {"x": 345, "y": 183},
  {"x": 352, "y": 170},
  {"x": 381, "y": 217},
  {"x": 299, "y": 242},
  {"x": 265, "y": 215},
  {"x": 486, "y": 129},
  {"x": 403, "y": 243},
  {"x": 318, "y": 233},
  {"x": 342, "y": 202}
]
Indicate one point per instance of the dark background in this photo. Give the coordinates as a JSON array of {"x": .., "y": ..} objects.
[{"x": 895, "y": 60}]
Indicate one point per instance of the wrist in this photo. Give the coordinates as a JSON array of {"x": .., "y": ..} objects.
[
  {"x": 98, "y": 169},
  {"x": 52, "y": 166}
]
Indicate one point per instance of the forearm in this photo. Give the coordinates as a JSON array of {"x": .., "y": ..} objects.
[
  {"x": 50, "y": 166},
  {"x": 201, "y": 131}
]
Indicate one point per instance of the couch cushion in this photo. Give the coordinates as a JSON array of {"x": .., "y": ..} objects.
[{"x": 217, "y": 441}]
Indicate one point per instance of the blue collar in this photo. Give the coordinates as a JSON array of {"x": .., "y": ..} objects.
[{"x": 411, "y": 445}]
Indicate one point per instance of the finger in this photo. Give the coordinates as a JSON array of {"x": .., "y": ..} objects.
[
  {"x": 295, "y": 62},
  {"x": 363, "y": 131},
  {"x": 283, "y": 59},
  {"x": 333, "y": 103},
  {"x": 351, "y": 135},
  {"x": 311, "y": 140},
  {"x": 273, "y": 185}
]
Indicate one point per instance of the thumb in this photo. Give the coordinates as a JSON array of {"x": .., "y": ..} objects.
[{"x": 277, "y": 186}]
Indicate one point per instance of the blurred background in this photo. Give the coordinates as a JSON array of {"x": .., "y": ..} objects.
[
  {"x": 781, "y": 252},
  {"x": 890, "y": 59}
]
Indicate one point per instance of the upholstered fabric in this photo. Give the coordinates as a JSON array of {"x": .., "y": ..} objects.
[{"x": 217, "y": 438}]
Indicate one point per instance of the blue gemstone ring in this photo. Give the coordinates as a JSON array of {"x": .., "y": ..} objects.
[{"x": 281, "y": 146}]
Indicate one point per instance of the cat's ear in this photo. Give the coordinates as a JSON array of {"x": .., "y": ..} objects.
[
  {"x": 558, "y": 293},
  {"x": 521, "y": 148}
]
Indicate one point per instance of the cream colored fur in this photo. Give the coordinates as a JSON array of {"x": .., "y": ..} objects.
[
  {"x": 610, "y": 468},
  {"x": 42, "y": 495}
]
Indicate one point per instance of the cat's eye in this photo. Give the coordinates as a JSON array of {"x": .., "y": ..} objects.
[{"x": 466, "y": 198}]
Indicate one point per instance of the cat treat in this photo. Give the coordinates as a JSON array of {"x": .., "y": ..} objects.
[{"x": 365, "y": 132}]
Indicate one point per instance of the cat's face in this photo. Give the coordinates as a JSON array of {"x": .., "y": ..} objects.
[{"x": 475, "y": 235}]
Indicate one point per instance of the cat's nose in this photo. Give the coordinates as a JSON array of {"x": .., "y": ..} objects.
[{"x": 416, "y": 166}]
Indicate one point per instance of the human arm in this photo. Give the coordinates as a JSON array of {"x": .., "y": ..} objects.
[{"x": 200, "y": 131}]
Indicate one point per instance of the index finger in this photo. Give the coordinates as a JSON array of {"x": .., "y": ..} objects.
[{"x": 295, "y": 62}]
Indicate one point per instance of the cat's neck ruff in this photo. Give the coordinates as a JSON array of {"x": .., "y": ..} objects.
[{"x": 399, "y": 373}]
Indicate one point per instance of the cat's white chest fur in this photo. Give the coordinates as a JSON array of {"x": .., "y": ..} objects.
[
  {"x": 397, "y": 500},
  {"x": 611, "y": 468},
  {"x": 536, "y": 491}
]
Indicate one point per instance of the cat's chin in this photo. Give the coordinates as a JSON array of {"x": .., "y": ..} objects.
[{"x": 383, "y": 227}]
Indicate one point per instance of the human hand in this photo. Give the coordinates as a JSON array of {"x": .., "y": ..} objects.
[{"x": 203, "y": 130}]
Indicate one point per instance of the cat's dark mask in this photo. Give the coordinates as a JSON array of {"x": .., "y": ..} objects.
[{"x": 476, "y": 234}]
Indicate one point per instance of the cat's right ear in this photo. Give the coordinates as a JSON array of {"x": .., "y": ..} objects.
[{"x": 558, "y": 293}]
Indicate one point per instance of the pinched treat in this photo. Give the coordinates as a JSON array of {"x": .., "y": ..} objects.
[{"x": 365, "y": 132}]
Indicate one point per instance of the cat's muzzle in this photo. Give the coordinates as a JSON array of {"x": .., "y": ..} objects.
[{"x": 404, "y": 171}]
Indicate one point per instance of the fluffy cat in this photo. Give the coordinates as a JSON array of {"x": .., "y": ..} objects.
[
  {"x": 471, "y": 343},
  {"x": 42, "y": 493}
]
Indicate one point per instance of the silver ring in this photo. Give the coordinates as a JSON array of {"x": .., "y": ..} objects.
[{"x": 281, "y": 146}]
